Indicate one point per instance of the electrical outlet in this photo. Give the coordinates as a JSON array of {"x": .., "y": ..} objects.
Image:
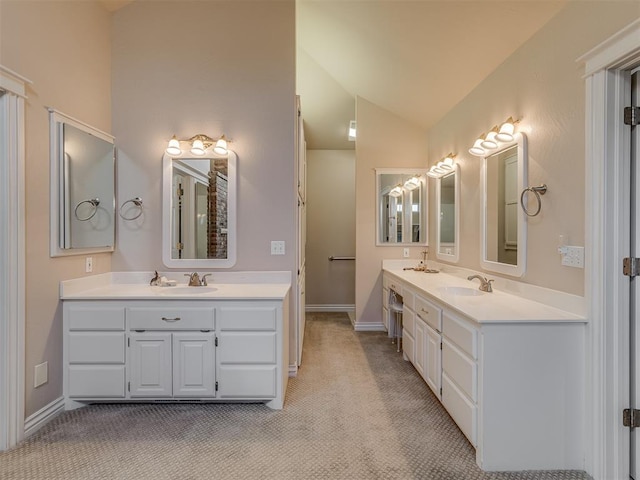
[
  {"x": 40, "y": 374},
  {"x": 572, "y": 256},
  {"x": 277, "y": 247},
  {"x": 405, "y": 253},
  {"x": 88, "y": 265}
]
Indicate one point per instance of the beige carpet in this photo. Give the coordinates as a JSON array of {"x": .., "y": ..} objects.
[{"x": 355, "y": 411}]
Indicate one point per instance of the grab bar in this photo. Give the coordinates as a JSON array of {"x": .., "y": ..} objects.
[{"x": 332, "y": 258}]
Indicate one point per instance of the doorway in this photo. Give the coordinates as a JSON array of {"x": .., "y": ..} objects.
[{"x": 634, "y": 281}]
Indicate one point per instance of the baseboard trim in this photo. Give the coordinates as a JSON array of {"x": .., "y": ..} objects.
[
  {"x": 369, "y": 327},
  {"x": 330, "y": 308},
  {"x": 293, "y": 371},
  {"x": 43, "y": 416}
]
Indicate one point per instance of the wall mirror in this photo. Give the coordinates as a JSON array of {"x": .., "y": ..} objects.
[
  {"x": 504, "y": 224},
  {"x": 401, "y": 199},
  {"x": 82, "y": 163},
  {"x": 448, "y": 208},
  {"x": 199, "y": 210}
]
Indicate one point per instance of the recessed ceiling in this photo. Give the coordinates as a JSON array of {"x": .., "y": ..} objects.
[{"x": 416, "y": 59}]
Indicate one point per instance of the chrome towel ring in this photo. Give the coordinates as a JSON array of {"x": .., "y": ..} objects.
[
  {"x": 94, "y": 208},
  {"x": 537, "y": 191},
  {"x": 135, "y": 202}
]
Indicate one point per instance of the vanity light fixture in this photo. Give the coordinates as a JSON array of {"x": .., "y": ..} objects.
[
  {"x": 412, "y": 183},
  {"x": 507, "y": 130},
  {"x": 198, "y": 145},
  {"x": 396, "y": 191},
  {"x": 443, "y": 167},
  {"x": 352, "y": 131},
  {"x": 490, "y": 142},
  {"x": 477, "y": 149}
]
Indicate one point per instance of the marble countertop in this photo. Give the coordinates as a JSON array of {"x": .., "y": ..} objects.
[{"x": 496, "y": 307}]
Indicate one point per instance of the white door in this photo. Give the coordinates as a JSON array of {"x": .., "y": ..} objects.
[
  {"x": 634, "y": 282},
  {"x": 150, "y": 370},
  {"x": 433, "y": 370},
  {"x": 193, "y": 365}
]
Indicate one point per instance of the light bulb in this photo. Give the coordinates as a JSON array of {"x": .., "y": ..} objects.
[
  {"x": 506, "y": 131},
  {"x": 490, "y": 143},
  {"x": 477, "y": 149},
  {"x": 412, "y": 183},
  {"x": 396, "y": 191},
  {"x": 173, "y": 148},
  {"x": 221, "y": 146}
]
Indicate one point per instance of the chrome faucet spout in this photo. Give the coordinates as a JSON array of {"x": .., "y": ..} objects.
[
  {"x": 485, "y": 285},
  {"x": 194, "y": 279}
]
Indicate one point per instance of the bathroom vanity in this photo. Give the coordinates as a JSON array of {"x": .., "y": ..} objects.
[
  {"x": 126, "y": 341},
  {"x": 509, "y": 370}
]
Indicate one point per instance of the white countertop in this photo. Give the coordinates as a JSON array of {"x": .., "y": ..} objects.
[
  {"x": 497, "y": 307},
  {"x": 134, "y": 286}
]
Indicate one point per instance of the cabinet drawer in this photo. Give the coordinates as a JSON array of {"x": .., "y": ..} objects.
[
  {"x": 409, "y": 298},
  {"x": 247, "y": 347},
  {"x": 248, "y": 318},
  {"x": 96, "y": 381},
  {"x": 240, "y": 381},
  {"x": 170, "y": 318},
  {"x": 409, "y": 321},
  {"x": 462, "y": 410},
  {"x": 463, "y": 335},
  {"x": 96, "y": 347},
  {"x": 460, "y": 368},
  {"x": 392, "y": 284},
  {"x": 85, "y": 317},
  {"x": 385, "y": 297},
  {"x": 408, "y": 347},
  {"x": 428, "y": 312}
]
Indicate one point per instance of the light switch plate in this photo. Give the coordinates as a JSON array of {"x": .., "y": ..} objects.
[{"x": 277, "y": 247}]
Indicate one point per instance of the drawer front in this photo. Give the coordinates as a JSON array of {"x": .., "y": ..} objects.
[
  {"x": 385, "y": 297},
  {"x": 96, "y": 381},
  {"x": 240, "y": 381},
  {"x": 170, "y": 318},
  {"x": 460, "y": 369},
  {"x": 462, "y": 410},
  {"x": 89, "y": 317},
  {"x": 247, "y": 318},
  {"x": 409, "y": 321},
  {"x": 428, "y": 312},
  {"x": 393, "y": 284},
  {"x": 96, "y": 347},
  {"x": 463, "y": 335},
  {"x": 247, "y": 347},
  {"x": 409, "y": 298},
  {"x": 408, "y": 347}
]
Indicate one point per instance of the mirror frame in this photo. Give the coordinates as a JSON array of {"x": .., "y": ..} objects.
[
  {"x": 512, "y": 270},
  {"x": 199, "y": 263},
  {"x": 453, "y": 258},
  {"x": 57, "y": 185},
  {"x": 424, "y": 201}
]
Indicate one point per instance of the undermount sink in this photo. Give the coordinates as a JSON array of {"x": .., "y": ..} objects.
[
  {"x": 186, "y": 290},
  {"x": 461, "y": 291}
]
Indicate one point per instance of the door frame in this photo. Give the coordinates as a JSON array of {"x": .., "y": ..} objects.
[
  {"x": 607, "y": 206},
  {"x": 12, "y": 257}
]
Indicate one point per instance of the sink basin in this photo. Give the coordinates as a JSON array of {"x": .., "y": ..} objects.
[
  {"x": 185, "y": 290},
  {"x": 461, "y": 291}
]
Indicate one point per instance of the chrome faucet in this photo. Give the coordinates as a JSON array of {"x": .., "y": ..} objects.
[
  {"x": 196, "y": 281},
  {"x": 155, "y": 281},
  {"x": 485, "y": 285}
]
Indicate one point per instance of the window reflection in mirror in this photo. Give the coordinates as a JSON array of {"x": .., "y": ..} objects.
[
  {"x": 448, "y": 206},
  {"x": 199, "y": 211},
  {"x": 401, "y": 207},
  {"x": 504, "y": 224}
]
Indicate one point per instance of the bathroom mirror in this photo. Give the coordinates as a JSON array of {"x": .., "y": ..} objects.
[
  {"x": 199, "y": 210},
  {"x": 401, "y": 199},
  {"x": 448, "y": 208},
  {"x": 82, "y": 163},
  {"x": 504, "y": 224}
]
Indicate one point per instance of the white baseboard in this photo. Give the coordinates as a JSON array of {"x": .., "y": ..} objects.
[
  {"x": 293, "y": 371},
  {"x": 43, "y": 416},
  {"x": 330, "y": 308},
  {"x": 369, "y": 327}
]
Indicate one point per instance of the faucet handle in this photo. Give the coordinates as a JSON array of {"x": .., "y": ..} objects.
[{"x": 203, "y": 280}]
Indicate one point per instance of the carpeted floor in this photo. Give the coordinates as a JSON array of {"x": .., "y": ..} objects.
[{"x": 355, "y": 411}]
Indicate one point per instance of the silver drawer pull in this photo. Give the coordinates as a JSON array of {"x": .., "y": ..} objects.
[
  {"x": 425, "y": 311},
  {"x": 170, "y": 319}
]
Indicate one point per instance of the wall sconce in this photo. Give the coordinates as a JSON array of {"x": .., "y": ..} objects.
[
  {"x": 352, "y": 131},
  {"x": 396, "y": 191},
  {"x": 492, "y": 140},
  {"x": 443, "y": 167},
  {"x": 412, "y": 183},
  {"x": 198, "y": 145}
]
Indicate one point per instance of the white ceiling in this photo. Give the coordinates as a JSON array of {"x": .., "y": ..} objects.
[{"x": 416, "y": 58}]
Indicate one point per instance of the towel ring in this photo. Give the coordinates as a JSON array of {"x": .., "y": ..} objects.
[
  {"x": 134, "y": 201},
  {"x": 94, "y": 203},
  {"x": 537, "y": 191}
]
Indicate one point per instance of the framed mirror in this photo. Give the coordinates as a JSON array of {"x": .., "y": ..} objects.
[
  {"x": 504, "y": 224},
  {"x": 199, "y": 210},
  {"x": 448, "y": 208},
  {"x": 401, "y": 200},
  {"x": 82, "y": 163}
]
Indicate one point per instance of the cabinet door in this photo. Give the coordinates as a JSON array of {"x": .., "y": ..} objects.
[
  {"x": 150, "y": 367},
  {"x": 193, "y": 365},
  {"x": 420, "y": 355},
  {"x": 433, "y": 370}
]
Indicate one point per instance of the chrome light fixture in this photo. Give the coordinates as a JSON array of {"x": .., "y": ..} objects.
[{"x": 198, "y": 145}]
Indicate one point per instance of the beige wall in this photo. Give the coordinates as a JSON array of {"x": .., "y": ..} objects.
[
  {"x": 384, "y": 140},
  {"x": 65, "y": 49},
  {"x": 541, "y": 84},
  {"x": 331, "y": 229}
]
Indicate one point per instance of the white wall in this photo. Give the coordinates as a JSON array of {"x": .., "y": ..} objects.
[
  {"x": 64, "y": 47},
  {"x": 384, "y": 140},
  {"x": 331, "y": 228},
  {"x": 542, "y": 85}
]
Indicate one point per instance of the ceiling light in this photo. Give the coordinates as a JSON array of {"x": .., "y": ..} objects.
[{"x": 352, "y": 131}]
